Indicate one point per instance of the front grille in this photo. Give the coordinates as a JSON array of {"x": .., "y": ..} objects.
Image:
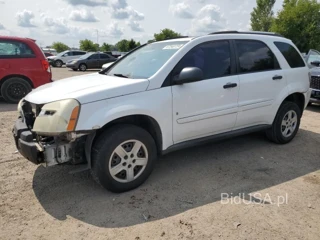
[{"x": 315, "y": 82}]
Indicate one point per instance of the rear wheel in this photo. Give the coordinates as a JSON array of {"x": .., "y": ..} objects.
[
  {"x": 83, "y": 67},
  {"x": 15, "y": 88},
  {"x": 123, "y": 157},
  {"x": 286, "y": 123},
  {"x": 58, "y": 63}
]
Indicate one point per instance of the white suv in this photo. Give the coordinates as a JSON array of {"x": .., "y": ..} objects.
[
  {"x": 62, "y": 58},
  {"x": 162, "y": 97}
]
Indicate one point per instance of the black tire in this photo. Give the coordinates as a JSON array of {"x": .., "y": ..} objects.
[
  {"x": 104, "y": 148},
  {"x": 15, "y": 88},
  {"x": 275, "y": 132},
  {"x": 83, "y": 67},
  {"x": 75, "y": 69},
  {"x": 58, "y": 63}
]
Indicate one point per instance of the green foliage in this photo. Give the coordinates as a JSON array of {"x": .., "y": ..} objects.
[
  {"x": 262, "y": 15},
  {"x": 126, "y": 45},
  {"x": 60, "y": 47},
  {"x": 300, "y": 22},
  {"x": 88, "y": 45},
  {"x": 106, "y": 47},
  {"x": 166, "y": 34}
]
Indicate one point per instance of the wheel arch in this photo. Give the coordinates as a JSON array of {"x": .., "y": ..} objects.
[
  {"x": 16, "y": 75},
  {"x": 146, "y": 122},
  {"x": 297, "y": 98}
]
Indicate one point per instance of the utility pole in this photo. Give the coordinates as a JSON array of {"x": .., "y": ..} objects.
[{"x": 97, "y": 36}]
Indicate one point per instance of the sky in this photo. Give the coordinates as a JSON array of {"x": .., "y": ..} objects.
[{"x": 109, "y": 21}]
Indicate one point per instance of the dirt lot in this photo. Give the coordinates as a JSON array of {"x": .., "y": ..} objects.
[{"x": 181, "y": 199}]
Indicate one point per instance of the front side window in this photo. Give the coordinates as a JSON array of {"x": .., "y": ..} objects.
[
  {"x": 147, "y": 60},
  {"x": 15, "y": 49},
  {"x": 255, "y": 56},
  {"x": 293, "y": 58},
  {"x": 213, "y": 58}
]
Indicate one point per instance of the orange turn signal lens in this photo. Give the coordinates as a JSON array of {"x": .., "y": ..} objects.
[{"x": 73, "y": 119}]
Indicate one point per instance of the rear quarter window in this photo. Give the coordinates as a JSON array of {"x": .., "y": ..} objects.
[
  {"x": 292, "y": 56},
  {"x": 15, "y": 49}
]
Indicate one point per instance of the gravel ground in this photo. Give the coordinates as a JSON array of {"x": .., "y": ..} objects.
[{"x": 181, "y": 199}]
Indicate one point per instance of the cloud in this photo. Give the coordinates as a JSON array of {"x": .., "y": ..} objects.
[
  {"x": 209, "y": 19},
  {"x": 90, "y": 3},
  {"x": 2, "y": 2},
  {"x": 121, "y": 10},
  {"x": 55, "y": 25},
  {"x": 135, "y": 26},
  {"x": 181, "y": 10},
  {"x": 1, "y": 27},
  {"x": 25, "y": 18},
  {"x": 83, "y": 15},
  {"x": 114, "y": 30}
]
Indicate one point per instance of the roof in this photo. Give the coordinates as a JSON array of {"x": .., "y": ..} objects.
[{"x": 16, "y": 38}]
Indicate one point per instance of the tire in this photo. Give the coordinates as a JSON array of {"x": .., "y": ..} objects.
[
  {"x": 75, "y": 69},
  {"x": 58, "y": 63},
  {"x": 15, "y": 88},
  {"x": 104, "y": 158},
  {"x": 285, "y": 126},
  {"x": 83, "y": 67}
]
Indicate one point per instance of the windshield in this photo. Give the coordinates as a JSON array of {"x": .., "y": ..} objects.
[
  {"x": 85, "y": 56},
  {"x": 146, "y": 61},
  {"x": 313, "y": 56}
]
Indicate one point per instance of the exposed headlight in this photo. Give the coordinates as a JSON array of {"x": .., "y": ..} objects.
[{"x": 58, "y": 117}]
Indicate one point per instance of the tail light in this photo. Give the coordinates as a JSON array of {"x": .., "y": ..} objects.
[{"x": 46, "y": 65}]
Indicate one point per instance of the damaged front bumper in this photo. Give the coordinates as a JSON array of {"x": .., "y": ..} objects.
[{"x": 50, "y": 150}]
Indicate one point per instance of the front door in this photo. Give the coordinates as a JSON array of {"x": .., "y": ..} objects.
[
  {"x": 93, "y": 61},
  {"x": 261, "y": 82},
  {"x": 209, "y": 106}
]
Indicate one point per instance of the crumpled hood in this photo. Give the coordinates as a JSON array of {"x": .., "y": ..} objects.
[{"x": 87, "y": 88}]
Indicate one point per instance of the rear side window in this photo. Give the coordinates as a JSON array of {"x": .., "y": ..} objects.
[
  {"x": 15, "y": 49},
  {"x": 255, "y": 56},
  {"x": 292, "y": 56},
  {"x": 104, "y": 56},
  {"x": 79, "y": 53}
]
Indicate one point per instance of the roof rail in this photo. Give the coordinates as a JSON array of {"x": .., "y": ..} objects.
[
  {"x": 248, "y": 32},
  {"x": 170, "y": 38}
]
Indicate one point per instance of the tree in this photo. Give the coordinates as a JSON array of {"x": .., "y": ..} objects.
[
  {"x": 166, "y": 34},
  {"x": 106, "y": 47},
  {"x": 123, "y": 45},
  {"x": 262, "y": 15},
  {"x": 133, "y": 44},
  {"x": 59, "y": 46},
  {"x": 88, "y": 45},
  {"x": 300, "y": 22}
]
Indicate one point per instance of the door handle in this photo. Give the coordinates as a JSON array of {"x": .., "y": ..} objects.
[
  {"x": 277, "y": 77},
  {"x": 230, "y": 85}
]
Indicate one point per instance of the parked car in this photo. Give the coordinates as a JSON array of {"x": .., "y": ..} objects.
[
  {"x": 313, "y": 60},
  {"x": 50, "y": 50},
  {"x": 104, "y": 66},
  {"x": 165, "y": 96},
  {"x": 90, "y": 60},
  {"x": 64, "y": 57},
  {"x": 23, "y": 66},
  {"x": 48, "y": 54}
]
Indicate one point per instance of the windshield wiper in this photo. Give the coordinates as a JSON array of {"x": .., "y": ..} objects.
[{"x": 120, "y": 75}]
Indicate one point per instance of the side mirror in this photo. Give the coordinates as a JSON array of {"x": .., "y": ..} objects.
[
  {"x": 188, "y": 75},
  {"x": 315, "y": 63}
]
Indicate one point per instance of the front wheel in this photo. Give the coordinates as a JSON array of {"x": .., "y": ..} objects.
[
  {"x": 123, "y": 157},
  {"x": 83, "y": 67},
  {"x": 286, "y": 123},
  {"x": 58, "y": 63}
]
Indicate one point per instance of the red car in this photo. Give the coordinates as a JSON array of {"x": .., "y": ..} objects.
[{"x": 23, "y": 66}]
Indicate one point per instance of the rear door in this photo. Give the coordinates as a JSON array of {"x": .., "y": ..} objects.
[
  {"x": 18, "y": 58},
  {"x": 261, "y": 82},
  {"x": 104, "y": 58}
]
